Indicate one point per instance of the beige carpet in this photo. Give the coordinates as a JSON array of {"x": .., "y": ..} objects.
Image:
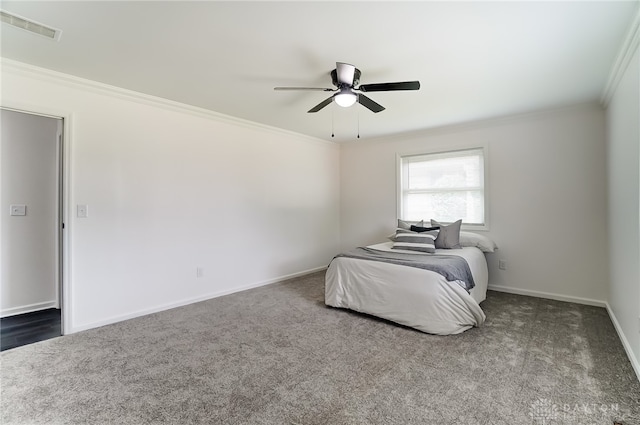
[{"x": 278, "y": 355}]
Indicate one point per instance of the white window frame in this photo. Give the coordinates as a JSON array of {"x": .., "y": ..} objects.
[{"x": 399, "y": 180}]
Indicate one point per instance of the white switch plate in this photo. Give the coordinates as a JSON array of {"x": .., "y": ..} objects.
[
  {"x": 82, "y": 211},
  {"x": 18, "y": 210}
]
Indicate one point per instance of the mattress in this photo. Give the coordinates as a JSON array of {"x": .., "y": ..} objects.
[{"x": 410, "y": 296}]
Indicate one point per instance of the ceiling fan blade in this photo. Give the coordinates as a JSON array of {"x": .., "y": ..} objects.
[
  {"x": 405, "y": 85},
  {"x": 321, "y": 105},
  {"x": 304, "y": 88},
  {"x": 369, "y": 104},
  {"x": 345, "y": 72}
]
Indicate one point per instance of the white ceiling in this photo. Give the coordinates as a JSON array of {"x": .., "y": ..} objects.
[{"x": 474, "y": 60}]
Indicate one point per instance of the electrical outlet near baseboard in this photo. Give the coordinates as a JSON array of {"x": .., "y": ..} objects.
[
  {"x": 199, "y": 272},
  {"x": 502, "y": 264}
]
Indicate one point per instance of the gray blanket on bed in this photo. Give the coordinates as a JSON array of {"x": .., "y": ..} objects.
[{"x": 452, "y": 267}]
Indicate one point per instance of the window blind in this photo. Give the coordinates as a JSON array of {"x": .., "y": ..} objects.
[{"x": 446, "y": 186}]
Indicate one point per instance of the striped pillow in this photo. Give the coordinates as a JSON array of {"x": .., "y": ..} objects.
[{"x": 413, "y": 241}]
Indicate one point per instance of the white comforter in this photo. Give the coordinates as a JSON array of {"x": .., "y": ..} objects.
[{"x": 414, "y": 297}]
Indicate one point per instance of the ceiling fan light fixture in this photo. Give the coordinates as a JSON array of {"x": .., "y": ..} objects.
[{"x": 345, "y": 98}]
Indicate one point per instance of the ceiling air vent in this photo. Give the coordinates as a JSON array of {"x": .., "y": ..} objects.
[{"x": 31, "y": 26}]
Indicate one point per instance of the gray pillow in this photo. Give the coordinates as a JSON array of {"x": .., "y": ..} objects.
[
  {"x": 413, "y": 241},
  {"x": 449, "y": 235},
  {"x": 406, "y": 225}
]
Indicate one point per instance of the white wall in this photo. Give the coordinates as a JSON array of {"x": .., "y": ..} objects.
[
  {"x": 547, "y": 197},
  {"x": 29, "y": 177},
  {"x": 171, "y": 188},
  {"x": 623, "y": 140}
]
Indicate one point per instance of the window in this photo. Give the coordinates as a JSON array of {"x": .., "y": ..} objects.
[{"x": 446, "y": 186}]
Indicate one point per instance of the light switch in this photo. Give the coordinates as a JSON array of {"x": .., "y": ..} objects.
[
  {"x": 82, "y": 211},
  {"x": 18, "y": 210}
]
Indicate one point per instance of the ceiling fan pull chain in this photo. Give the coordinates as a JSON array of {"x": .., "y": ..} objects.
[
  {"x": 333, "y": 109},
  {"x": 358, "y": 123}
]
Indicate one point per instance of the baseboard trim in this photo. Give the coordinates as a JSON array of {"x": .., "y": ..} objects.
[
  {"x": 625, "y": 342},
  {"x": 168, "y": 306},
  {"x": 28, "y": 308},
  {"x": 547, "y": 295}
]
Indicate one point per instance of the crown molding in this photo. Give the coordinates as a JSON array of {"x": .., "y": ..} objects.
[
  {"x": 479, "y": 124},
  {"x": 626, "y": 52},
  {"x": 9, "y": 66}
]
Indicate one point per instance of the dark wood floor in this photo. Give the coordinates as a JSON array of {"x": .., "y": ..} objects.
[{"x": 28, "y": 328}]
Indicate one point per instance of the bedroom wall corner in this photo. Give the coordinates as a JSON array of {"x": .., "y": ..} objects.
[{"x": 623, "y": 157}]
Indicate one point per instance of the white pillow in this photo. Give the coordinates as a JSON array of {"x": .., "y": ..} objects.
[{"x": 482, "y": 242}]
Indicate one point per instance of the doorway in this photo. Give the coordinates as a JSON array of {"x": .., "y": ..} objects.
[{"x": 31, "y": 227}]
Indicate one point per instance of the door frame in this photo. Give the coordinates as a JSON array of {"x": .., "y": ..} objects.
[{"x": 63, "y": 247}]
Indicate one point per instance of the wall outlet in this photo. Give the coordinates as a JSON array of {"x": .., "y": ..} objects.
[
  {"x": 18, "y": 210},
  {"x": 82, "y": 211},
  {"x": 199, "y": 272},
  {"x": 502, "y": 264}
]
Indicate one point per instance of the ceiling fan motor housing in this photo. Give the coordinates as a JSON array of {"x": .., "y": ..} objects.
[{"x": 356, "y": 78}]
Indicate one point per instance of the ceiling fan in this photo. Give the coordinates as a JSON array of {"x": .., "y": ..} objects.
[{"x": 346, "y": 78}]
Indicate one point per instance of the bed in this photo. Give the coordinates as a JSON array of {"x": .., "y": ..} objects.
[{"x": 411, "y": 296}]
